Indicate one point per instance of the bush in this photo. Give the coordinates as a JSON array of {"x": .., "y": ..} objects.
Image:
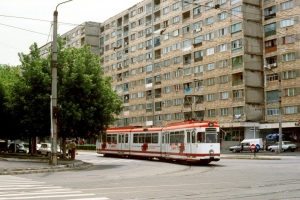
[{"x": 86, "y": 147}]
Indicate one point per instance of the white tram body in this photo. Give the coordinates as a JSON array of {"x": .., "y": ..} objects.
[{"x": 191, "y": 141}]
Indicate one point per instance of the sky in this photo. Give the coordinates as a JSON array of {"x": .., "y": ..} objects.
[{"x": 18, "y": 33}]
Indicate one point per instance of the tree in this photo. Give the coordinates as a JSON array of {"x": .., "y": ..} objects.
[
  {"x": 8, "y": 76},
  {"x": 87, "y": 103}
]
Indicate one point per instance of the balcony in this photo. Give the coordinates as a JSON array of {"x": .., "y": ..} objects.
[
  {"x": 238, "y": 82},
  {"x": 270, "y": 49}
]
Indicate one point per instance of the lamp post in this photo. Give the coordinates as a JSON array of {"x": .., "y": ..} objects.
[
  {"x": 280, "y": 115},
  {"x": 54, "y": 110}
]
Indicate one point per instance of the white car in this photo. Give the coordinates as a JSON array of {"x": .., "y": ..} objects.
[
  {"x": 286, "y": 145},
  {"x": 45, "y": 149}
]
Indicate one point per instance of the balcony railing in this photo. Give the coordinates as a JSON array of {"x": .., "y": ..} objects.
[{"x": 239, "y": 82}]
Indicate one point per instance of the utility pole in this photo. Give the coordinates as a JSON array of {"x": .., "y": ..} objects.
[
  {"x": 280, "y": 115},
  {"x": 54, "y": 109}
]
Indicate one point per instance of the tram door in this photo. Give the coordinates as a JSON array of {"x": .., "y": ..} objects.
[
  {"x": 123, "y": 143},
  {"x": 165, "y": 144}
]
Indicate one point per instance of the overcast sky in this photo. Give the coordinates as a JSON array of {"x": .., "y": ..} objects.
[{"x": 14, "y": 40}]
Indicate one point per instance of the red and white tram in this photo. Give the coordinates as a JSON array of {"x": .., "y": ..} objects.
[{"x": 190, "y": 141}]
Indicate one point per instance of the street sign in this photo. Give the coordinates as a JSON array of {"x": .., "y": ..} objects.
[{"x": 252, "y": 147}]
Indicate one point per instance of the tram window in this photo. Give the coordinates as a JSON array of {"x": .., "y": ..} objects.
[
  {"x": 188, "y": 138},
  {"x": 155, "y": 138},
  {"x": 126, "y": 138},
  {"x": 193, "y": 137},
  {"x": 177, "y": 137},
  {"x": 211, "y": 138},
  {"x": 200, "y": 137},
  {"x": 135, "y": 138},
  {"x": 141, "y": 138},
  {"x": 148, "y": 138},
  {"x": 114, "y": 138},
  {"x": 108, "y": 137},
  {"x": 120, "y": 139}
]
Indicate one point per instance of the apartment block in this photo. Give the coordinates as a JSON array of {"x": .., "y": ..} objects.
[
  {"x": 233, "y": 61},
  {"x": 85, "y": 33}
]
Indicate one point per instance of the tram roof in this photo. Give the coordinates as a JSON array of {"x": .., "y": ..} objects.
[{"x": 185, "y": 124}]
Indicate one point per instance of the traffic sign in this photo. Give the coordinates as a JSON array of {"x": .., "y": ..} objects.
[{"x": 252, "y": 147}]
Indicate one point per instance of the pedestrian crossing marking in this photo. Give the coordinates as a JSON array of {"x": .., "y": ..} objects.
[{"x": 22, "y": 188}]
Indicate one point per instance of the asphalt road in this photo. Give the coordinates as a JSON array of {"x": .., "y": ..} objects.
[{"x": 116, "y": 178}]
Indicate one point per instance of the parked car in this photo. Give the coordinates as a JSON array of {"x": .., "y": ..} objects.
[
  {"x": 19, "y": 148},
  {"x": 286, "y": 145},
  {"x": 247, "y": 145},
  {"x": 38, "y": 146},
  {"x": 45, "y": 149}
]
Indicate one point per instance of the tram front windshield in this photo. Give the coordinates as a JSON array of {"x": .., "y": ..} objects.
[{"x": 203, "y": 137}]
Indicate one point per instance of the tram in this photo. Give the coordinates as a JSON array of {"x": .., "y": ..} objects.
[{"x": 189, "y": 141}]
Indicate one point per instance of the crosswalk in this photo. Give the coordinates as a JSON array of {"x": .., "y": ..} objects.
[
  {"x": 12, "y": 187},
  {"x": 109, "y": 161}
]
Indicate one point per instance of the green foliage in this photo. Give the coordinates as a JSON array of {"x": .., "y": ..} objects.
[
  {"x": 86, "y": 147},
  {"x": 87, "y": 104}
]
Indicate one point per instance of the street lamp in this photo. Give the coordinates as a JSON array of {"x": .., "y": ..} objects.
[{"x": 54, "y": 109}]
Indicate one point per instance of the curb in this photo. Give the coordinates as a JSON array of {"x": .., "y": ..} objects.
[
  {"x": 59, "y": 168},
  {"x": 252, "y": 158}
]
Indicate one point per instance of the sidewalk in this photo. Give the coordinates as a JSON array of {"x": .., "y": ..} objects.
[{"x": 10, "y": 166}]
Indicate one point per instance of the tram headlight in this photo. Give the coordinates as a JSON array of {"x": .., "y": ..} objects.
[{"x": 211, "y": 152}]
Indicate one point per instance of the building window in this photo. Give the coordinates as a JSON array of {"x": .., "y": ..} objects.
[
  {"x": 287, "y": 22},
  {"x": 237, "y": 11},
  {"x": 272, "y": 96},
  {"x": 223, "y": 95},
  {"x": 270, "y": 29},
  {"x": 197, "y": 26},
  {"x": 133, "y": 13},
  {"x": 187, "y": 71},
  {"x": 167, "y": 90},
  {"x": 209, "y": 5},
  {"x": 210, "y": 66},
  {"x": 288, "y": 57},
  {"x": 288, "y": 39},
  {"x": 287, "y": 5},
  {"x": 270, "y": 12},
  {"x": 176, "y": 19},
  {"x": 197, "y": 11},
  {"x": 290, "y": 92},
  {"x": 236, "y": 46},
  {"x": 166, "y": 49},
  {"x": 176, "y": 46},
  {"x": 210, "y": 81},
  {"x": 167, "y": 63},
  {"x": 209, "y": 36},
  {"x": 222, "y": 31},
  {"x": 166, "y": 10},
  {"x": 140, "y": 10},
  {"x": 176, "y": 33},
  {"x": 223, "y": 63},
  {"x": 210, "y": 51},
  {"x": 236, "y": 27},
  {"x": 186, "y": 29},
  {"x": 166, "y": 36},
  {"x": 222, "y": 16},
  {"x": 290, "y": 109},
  {"x": 209, "y": 20},
  {"x": 140, "y": 57},
  {"x": 198, "y": 39},
  {"x": 167, "y": 116},
  {"x": 271, "y": 77},
  {"x": 272, "y": 111},
  {"x": 141, "y": 21},
  {"x": 237, "y": 62},
  {"x": 177, "y": 116},
  {"x": 224, "y": 111},
  {"x": 176, "y": 60},
  {"x": 224, "y": 79},
  {"x": 198, "y": 69},
  {"x": 223, "y": 47},
  {"x": 237, "y": 93},
  {"x": 175, "y": 6},
  {"x": 176, "y": 102},
  {"x": 221, "y": 2},
  {"x": 238, "y": 110},
  {"x": 211, "y": 113},
  {"x": 167, "y": 76},
  {"x": 289, "y": 74}
]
